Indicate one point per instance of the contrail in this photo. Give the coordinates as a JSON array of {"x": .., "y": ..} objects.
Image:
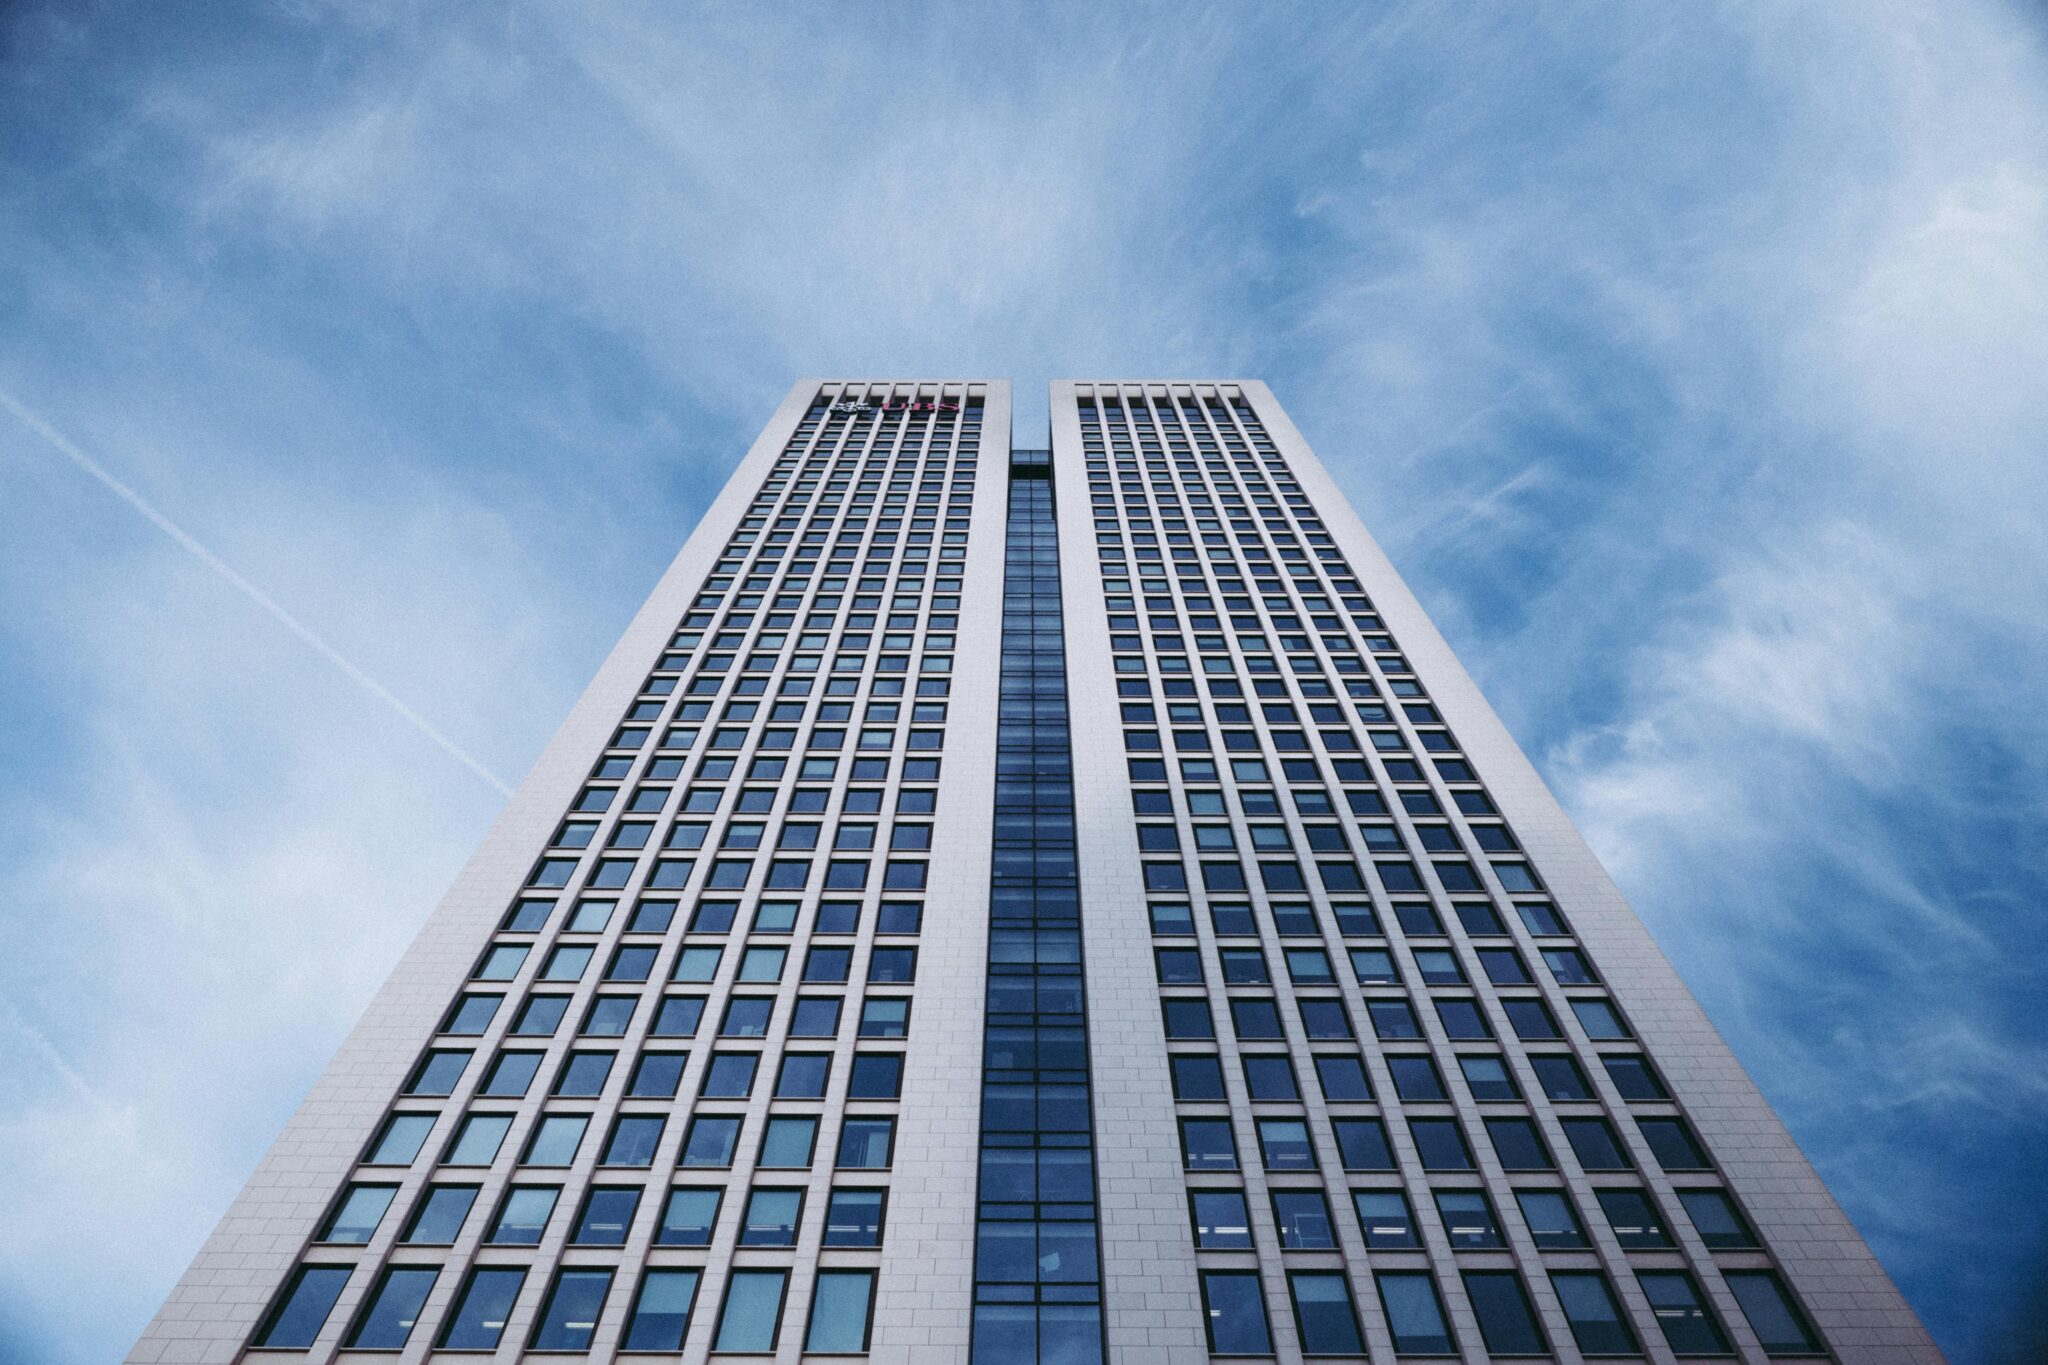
[{"x": 70, "y": 451}]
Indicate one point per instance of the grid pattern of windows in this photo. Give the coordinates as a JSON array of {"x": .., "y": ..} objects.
[
  {"x": 1355, "y": 955},
  {"x": 1037, "y": 1281},
  {"x": 691, "y": 1021}
]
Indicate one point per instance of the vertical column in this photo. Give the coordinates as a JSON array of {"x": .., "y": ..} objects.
[{"x": 1037, "y": 1275}]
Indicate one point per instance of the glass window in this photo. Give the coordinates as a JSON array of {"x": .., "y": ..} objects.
[
  {"x": 477, "y": 1140},
  {"x": 357, "y": 1213},
  {"x": 1468, "y": 1219},
  {"x": 1595, "y": 1145},
  {"x": 771, "y": 1218},
  {"x": 438, "y": 1218},
  {"x": 633, "y": 1141},
  {"x": 875, "y": 1076},
  {"x": 788, "y": 1141},
  {"x": 1384, "y": 1218},
  {"x": 524, "y": 1215},
  {"x": 1208, "y": 1145},
  {"x": 661, "y": 1312},
  {"x": 1441, "y": 1144},
  {"x": 1673, "y": 1144},
  {"x": 1415, "y": 1315},
  {"x": 1415, "y": 1077},
  {"x": 853, "y": 1217},
  {"x": 688, "y": 1217},
  {"x": 437, "y": 1072},
  {"x": 710, "y": 1140},
  {"x": 607, "y": 1214},
  {"x": 1221, "y": 1220},
  {"x": 483, "y": 1307},
  {"x": 401, "y": 1140},
  {"x": 1362, "y": 1144},
  {"x": 1284, "y": 1145},
  {"x": 1324, "y": 1313},
  {"x": 866, "y": 1144},
  {"x": 568, "y": 1316},
  {"x": 1689, "y": 1326},
  {"x": 1634, "y": 1077},
  {"x": 1559, "y": 1076},
  {"x": 1518, "y": 1144},
  {"x": 1773, "y": 1315},
  {"x": 1507, "y": 1322},
  {"x": 302, "y": 1309},
  {"x": 1593, "y": 1313},
  {"x": 1342, "y": 1077},
  {"x": 752, "y": 1311},
  {"x": 1637, "y": 1224},
  {"x": 839, "y": 1311},
  {"x": 1303, "y": 1217},
  {"x": 1553, "y": 1223},
  {"x": 1235, "y": 1313},
  {"x": 394, "y": 1308},
  {"x": 1720, "y": 1224}
]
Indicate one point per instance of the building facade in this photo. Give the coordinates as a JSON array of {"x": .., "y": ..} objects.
[{"x": 1033, "y": 906}]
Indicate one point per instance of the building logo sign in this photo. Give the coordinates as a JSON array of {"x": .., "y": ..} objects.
[{"x": 897, "y": 405}]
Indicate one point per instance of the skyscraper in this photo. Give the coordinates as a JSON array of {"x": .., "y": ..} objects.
[{"x": 1033, "y": 906}]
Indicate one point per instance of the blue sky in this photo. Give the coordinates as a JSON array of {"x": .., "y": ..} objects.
[{"x": 1687, "y": 359}]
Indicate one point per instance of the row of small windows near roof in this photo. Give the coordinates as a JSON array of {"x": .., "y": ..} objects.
[{"x": 749, "y": 1318}]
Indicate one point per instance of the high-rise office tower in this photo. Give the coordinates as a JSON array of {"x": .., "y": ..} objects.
[{"x": 1033, "y": 907}]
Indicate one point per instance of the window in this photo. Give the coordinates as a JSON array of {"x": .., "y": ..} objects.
[
  {"x": 1221, "y": 1220},
  {"x": 1553, "y": 1224},
  {"x": 1592, "y": 1312},
  {"x": 688, "y": 1216},
  {"x": 1637, "y": 1224},
  {"x": 752, "y": 1311},
  {"x": 481, "y": 1310},
  {"x": 477, "y": 1140},
  {"x": 607, "y": 1214},
  {"x": 1595, "y": 1145},
  {"x": 771, "y": 1218},
  {"x": 1384, "y": 1218},
  {"x": 1507, "y": 1322},
  {"x": 661, "y": 1312},
  {"x": 1634, "y": 1077},
  {"x": 1518, "y": 1144},
  {"x": 301, "y": 1311},
  {"x": 678, "y": 1016},
  {"x": 1441, "y": 1144},
  {"x": 439, "y": 1216},
  {"x": 1773, "y": 1315},
  {"x": 853, "y": 1217},
  {"x": 1196, "y": 1076},
  {"x": 1342, "y": 1077},
  {"x": 1207, "y": 1145},
  {"x": 1559, "y": 1075},
  {"x": 437, "y": 1072},
  {"x": 1719, "y": 1223},
  {"x": 524, "y": 1215},
  {"x": 866, "y": 1144},
  {"x": 1468, "y": 1219},
  {"x": 730, "y": 1075},
  {"x": 1673, "y": 1144},
  {"x": 1284, "y": 1145},
  {"x": 1487, "y": 1077},
  {"x": 401, "y": 1140},
  {"x": 1689, "y": 1326},
  {"x": 875, "y": 1076},
  {"x": 1234, "y": 1312},
  {"x": 1415, "y": 1077},
  {"x": 583, "y": 1074},
  {"x": 1303, "y": 1217},
  {"x": 1270, "y": 1076},
  {"x": 633, "y": 1141},
  {"x": 1415, "y": 1315},
  {"x": 394, "y": 1308},
  {"x": 839, "y": 1311},
  {"x": 472, "y": 1013},
  {"x": 657, "y": 1075},
  {"x": 1362, "y": 1144},
  {"x": 568, "y": 1316},
  {"x": 1324, "y": 1312},
  {"x": 356, "y": 1214},
  {"x": 710, "y": 1140},
  {"x": 1600, "y": 1020},
  {"x": 787, "y": 1142}
]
